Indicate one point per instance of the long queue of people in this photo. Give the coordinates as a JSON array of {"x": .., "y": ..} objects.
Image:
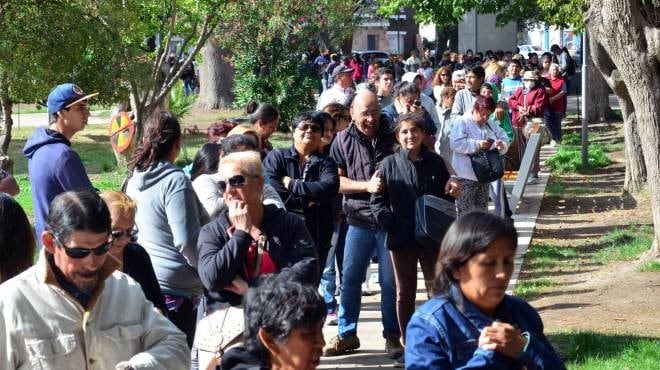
[{"x": 314, "y": 214}]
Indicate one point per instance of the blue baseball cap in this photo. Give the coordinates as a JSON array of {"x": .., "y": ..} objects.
[{"x": 65, "y": 95}]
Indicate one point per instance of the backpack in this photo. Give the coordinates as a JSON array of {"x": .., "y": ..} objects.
[{"x": 570, "y": 63}]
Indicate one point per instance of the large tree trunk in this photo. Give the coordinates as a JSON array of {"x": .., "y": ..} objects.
[
  {"x": 633, "y": 44},
  {"x": 598, "y": 97},
  {"x": 7, "y": 121},
  {"x": 635, "y": 177},
  {"x": 216, "y": 77}
]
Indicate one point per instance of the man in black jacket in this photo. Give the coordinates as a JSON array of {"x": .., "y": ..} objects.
[{"x": 358, "y": 152}]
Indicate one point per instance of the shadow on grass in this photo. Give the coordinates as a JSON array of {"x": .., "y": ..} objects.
[{"x": 591, "y": 350}]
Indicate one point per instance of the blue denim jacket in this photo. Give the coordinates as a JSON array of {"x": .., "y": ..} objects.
[{"x": 444, "y": 334}]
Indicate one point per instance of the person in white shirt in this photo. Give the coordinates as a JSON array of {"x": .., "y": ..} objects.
[{"x": 342, "y": 90}]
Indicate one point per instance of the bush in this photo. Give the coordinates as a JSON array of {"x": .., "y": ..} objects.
[{"x": 570, "y": 159}]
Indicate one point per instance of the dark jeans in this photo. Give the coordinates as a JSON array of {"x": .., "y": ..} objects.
[
  {"x": 404, "y": 263},
  {"x": 185, "y": 318},
  {"x": 554, "y": 124}
]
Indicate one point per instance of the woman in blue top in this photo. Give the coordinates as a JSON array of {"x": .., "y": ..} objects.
[{"x": 471, "y": 323}]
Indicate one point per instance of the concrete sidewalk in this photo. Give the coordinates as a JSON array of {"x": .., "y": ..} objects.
[{"x": 371, "y": 354}]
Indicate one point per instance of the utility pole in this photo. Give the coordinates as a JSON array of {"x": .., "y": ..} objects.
[{"x": 585, "y": 87}]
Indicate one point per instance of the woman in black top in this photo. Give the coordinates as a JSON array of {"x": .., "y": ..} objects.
[
  {"x": 135, "y": 260},
  {"x": 407, "y": 174}
]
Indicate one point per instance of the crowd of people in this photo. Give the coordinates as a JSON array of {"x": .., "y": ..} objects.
[{"x": 124, "y": 278}]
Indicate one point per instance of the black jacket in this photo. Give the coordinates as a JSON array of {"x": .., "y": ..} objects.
[
  {"x": 137, "y": 265},
  {"x": 394, "y": 208},
  {"x": 238, "y": 358},
  {"x": 360, "y": 158},
  {"x": 316, "y": 184},
  {"x": 221, "y": 258}
]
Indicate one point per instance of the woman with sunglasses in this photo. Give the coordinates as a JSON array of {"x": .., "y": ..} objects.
[
  {"x": 441, "y": 81},
  {"x": 170, "y": 219},
  {"x": 134, "y": 259},
  {"x": 307, "y": 181}
]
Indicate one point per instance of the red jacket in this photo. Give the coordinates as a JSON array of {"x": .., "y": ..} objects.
[
  {"x": 536, "y": 100},
  {"x": 556, "y": 85}
]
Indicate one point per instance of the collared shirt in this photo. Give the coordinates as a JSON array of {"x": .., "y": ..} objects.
[{"x": 81, "y": 296}]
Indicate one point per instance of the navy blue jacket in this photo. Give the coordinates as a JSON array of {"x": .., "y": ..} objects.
[
  {"x": 221, "y": 258},
  {"x": 311, "y": 191},
  {"x": 394, "y": 207},
  {"x": 444, "y": 334},
  {"x": 53, "y": 168},
  {"x": 359, "y": 158}
]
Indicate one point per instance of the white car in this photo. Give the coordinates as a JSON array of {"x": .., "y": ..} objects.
[{"x": 526, "y": 49}]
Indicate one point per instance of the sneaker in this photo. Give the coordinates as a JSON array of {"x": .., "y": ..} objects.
[
  {"x": 533, "y": 180},
  {"x": 393, "y": 346},
  {"x": 366, "y": 290},
  {"x": 400, "y": 362},
  {"x": 341, "y": 345},
  {"x": 553, "y": 143},
  {"x": 331, "y": 319}
]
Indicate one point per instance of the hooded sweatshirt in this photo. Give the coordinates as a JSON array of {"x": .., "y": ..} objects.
[
  {"x": 168, "y": 219},
  {"x": 53, "y": 168}
]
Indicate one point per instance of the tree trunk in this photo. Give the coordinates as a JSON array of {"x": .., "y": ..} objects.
[
  {"x": 635, "y": 178},
  {"x": 632, "y": 44},
  {"x": 598, "y": 96},
  {"x": 216, "y": 77},
  {"x": 7, "y": 121}
]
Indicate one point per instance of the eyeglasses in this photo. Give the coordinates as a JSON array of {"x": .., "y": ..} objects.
[
  {"x": 116, "y": 234},
  {"x": 307, "y": 126},
  {"x": 236, "y": 181},
  {"x": 444, "y": 74},
  {"x": 78, "y": 252}
]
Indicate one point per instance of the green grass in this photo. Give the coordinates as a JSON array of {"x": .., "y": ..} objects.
[
  {"x": 529, "y": 289},
  {"x": 574, "y": 138},
  {"x": 624, "y": 244},
  {"x": 548, "y": 256},
  {"x": 569, "y": 160},
  {"x": 652, "y": 266},
  {"x": 589, "y": 350},
  {"x": 34, "y": 108},
  {"x": 557, "y": 189}
]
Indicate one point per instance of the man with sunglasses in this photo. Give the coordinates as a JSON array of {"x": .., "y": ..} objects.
[
  {"x": 73, "y": 310},
  {"x": 53, "y": 167}
]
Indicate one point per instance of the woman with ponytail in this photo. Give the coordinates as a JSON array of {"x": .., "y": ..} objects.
[
  {"x": 265, "y": 119},
  {"x": 169, "y": 218}
]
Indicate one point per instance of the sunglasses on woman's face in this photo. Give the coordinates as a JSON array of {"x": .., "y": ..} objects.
[
  {"x": 236, "y": 181},
  {"x": 78, "y": 252},
  {"x": 116, "y": 234}
]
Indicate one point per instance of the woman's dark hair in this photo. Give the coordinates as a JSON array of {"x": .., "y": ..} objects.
[
  {"x": 406, "y": 88},
  {"x": 219, "y": 130},
  {"x": 516, "y": 62},
  {"x": 161, "y": 132},
  {"x": 206, "y": 160},
  {"x": 311, "y": 116},
  {"x": 77, "y": 211},
  {"x": 238, "y": 143},
  {"x": 279, "y": 304},
  {"x": 469, "y": 235},
  {"x": 337, "y": 111},
  {"x": 483, "y": 103},
  {"x": 487, "y": 86},
  {"x": 264, "y": 112},
  {"x": 382, "y": 71},
  {"x": 414, "y": 117},
  {"x": 325, "y": 117},
  {"x": 17, "y": 244}
]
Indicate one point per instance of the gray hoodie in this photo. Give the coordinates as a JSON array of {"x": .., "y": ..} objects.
[{"x": 168, "y": 219}]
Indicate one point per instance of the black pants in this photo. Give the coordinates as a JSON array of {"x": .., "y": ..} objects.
[{"x": 185, "y": 318}]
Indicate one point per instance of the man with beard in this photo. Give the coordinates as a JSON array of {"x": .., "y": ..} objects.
[{"x": 72, "y": 310}]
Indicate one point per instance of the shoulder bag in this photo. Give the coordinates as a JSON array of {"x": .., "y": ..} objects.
[{"x": 487, "y": 164}]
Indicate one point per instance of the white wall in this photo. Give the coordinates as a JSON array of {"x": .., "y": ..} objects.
[{"x": 489, "y": 37}]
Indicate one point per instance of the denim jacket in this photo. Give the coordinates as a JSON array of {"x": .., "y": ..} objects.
[{"x": 444, "y": 334}]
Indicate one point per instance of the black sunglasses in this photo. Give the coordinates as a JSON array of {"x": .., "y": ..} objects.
[
  {"x": 78, "y": 253},
  {"x": 129, "y": 233},
  {"x": 307, "y": 126},
  {"x": 236, "y": 181}
]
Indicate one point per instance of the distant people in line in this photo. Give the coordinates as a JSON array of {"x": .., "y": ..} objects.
[
  {"x": 470, "y": 135},
  {"x": 442, "y": 145},
  {"x": 134, "y": 259},
  {"x": 169, "y": 217},
  {"x": 441, "y": 81},
  {"x": 74, "y": 311},
  {"x": 471, "y": 322},
  {"x": 283, "y": 326},
  {"x": 265, "y": 118},
  {"x": 407, "y": 174},
  {"x": 427, "y": 102},
  {"x": 556, "y": 103},
  {"x": 384, "y": 80},
  {"x": 341, "y": 91},
  {"x": 53, "y": 167},
  {"x": 413, "y": 63},
  {"x": 17, "y": 244}
]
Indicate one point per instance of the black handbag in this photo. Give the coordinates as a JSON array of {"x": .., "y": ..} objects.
[
  {"x": 487, "y": 164},
  {"x": 433, "y": 216}
]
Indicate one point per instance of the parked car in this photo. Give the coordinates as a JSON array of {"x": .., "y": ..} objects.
[
  {"x": 379, "y": 56},
  {"x": 526, "y": 49}
]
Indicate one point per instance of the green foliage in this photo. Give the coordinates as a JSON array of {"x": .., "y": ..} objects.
[
  {"x": 625, "y": 244},
  {"x": 590, "y": 350},
  {"x": 180, "y": 103},
  {"x": 651, "y": 266},
  {"x": 548, "y": 256},
  {"x": 529, "y": 289},
  {"x": 568, "y": 159}
]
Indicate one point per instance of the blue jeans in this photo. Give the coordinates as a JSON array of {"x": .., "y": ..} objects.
[
  {"x": 554, "y": 125},
  {"x": 360, "y": 246}
]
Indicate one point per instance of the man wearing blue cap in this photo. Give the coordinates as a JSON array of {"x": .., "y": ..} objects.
[{"x": 53, "y": 167}]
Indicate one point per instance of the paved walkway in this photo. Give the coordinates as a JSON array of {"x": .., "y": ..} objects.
[{"x": 371, "y": 354}]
